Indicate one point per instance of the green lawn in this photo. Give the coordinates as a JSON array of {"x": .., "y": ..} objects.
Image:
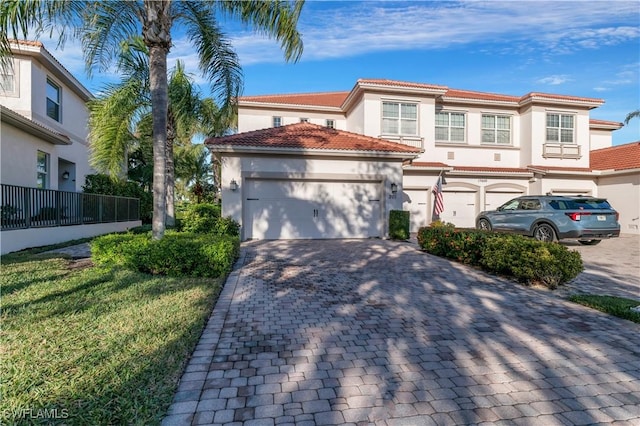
[
  {"x": 94, "y": 345},
  {"x": 618, "y": 306}
]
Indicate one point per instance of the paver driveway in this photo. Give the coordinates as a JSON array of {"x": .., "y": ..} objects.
[{"x": 371, "y": 331}]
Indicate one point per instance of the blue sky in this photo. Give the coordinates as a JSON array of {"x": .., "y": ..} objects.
[{"x": 579, "y": 48}]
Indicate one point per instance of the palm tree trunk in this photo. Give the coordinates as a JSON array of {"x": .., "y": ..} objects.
[
  {"x": 170, "y": 217},
  {"x": 157, "y": 36}
]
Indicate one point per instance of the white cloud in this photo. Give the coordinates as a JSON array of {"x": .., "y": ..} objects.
[{"x": 555, "y": 80}]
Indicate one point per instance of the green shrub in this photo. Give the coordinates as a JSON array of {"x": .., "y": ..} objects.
[
  {"x": 227, "y": 226},
  {"x": 527, "y": 260},
  {"x": 399, "y": 225},
  {"x": 200, "y": 218},
  {"x": 177, "y": 254}
]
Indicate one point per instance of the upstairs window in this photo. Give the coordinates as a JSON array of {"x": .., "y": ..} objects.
[
  {"x": 331, "y": 124},
  {"x": 53, "y": 100},
  {"x": 496, "y": 129},
  {"x": 304, "y": 120},
  {"x": 399, "y": 118},
  {"x": 560, "y": 128},
  {"x": 42, "y": 170},
  {"x": 8, "y": 79},
  {"x": 277, "y": 121},
  {"x": 450, "y": 126}
]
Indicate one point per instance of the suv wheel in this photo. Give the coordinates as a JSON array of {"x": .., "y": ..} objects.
[
  {"x": 589, "y": 242},
  {"x": 484, "y": 225},
  {"x": 544, "y": 232}
]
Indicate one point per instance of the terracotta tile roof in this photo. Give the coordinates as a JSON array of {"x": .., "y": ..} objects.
[
  {"x": 309, "y": 136},
  {"x": 428, "y": 164},
  {"x": 26, "y": 42},
  {"x": 620, "y": 157},
  {"x": 491, "y": 169},
  {"x": 385, "y": 82},
  {"x": 560, "y": 97},
  {"x": 330, "y": 99},
  {"x": 605, "y": 123},
  {"x": 559, "y": 168},
  {"x": 468, "y": 94}
]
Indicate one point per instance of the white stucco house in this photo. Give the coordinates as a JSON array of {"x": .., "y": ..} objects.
[
  {"x": 490, "y": 147},
  {"x": 44, "y": 151}
]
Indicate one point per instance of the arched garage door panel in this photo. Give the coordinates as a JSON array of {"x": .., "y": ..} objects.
[
  {"x": 495, "y": 199},
  {"x": 300, "y": 209},
  {"x": 459, "y": 208},
  {"x": 416, "y": 202}
]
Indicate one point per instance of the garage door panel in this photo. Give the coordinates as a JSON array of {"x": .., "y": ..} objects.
[
  {"x": 416, "y": 202},
  {"x": 459, "y": 208},
  {"x": 282, "y": 209}
]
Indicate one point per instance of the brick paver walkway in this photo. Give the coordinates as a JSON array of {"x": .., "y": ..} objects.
[{"x": 376, "y": 332}]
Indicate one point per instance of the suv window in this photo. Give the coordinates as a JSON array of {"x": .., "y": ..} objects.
[
  {"x": 580, "y": 204},
  {"x": 530, "y": 205},
  {"x": 510, "y": 205}
]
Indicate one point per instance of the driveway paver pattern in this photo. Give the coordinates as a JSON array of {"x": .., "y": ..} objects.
[{"x": 376, "y": 332}]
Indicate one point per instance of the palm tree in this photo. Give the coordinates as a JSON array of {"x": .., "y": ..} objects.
[
  {"x": 119, "y": 117},
  {"x": 193, "y": 170},
  {"x": 632, "y": 115},
  {"x": 103, "y": 25}
]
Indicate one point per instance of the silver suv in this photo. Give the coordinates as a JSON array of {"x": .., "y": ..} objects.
[{"x": 550, "y": 218}]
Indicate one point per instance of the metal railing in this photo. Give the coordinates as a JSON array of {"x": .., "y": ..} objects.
[{"x": 24, "y": 207}]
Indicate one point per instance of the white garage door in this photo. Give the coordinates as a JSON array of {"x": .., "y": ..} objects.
[
  {"x": 459, "y": 208},
  {"x": 298, "y": 209},
  {"x": 416, "y": 202},
  {"x": 495, "y": 199}
]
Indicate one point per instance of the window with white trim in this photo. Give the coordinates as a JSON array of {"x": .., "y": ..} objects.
[
  {"x": 277, "y": 121},
  {"x": 8, "y": 83},
  {"x": 450, "y": 126},
  {"x": 304, "y": 120},
  {"x": 560, "y": 128},
  {"x": 42, "y": 170},
  {"x": 330, "y": 124},
  {"x": 496, "y": 129},
  {"x": 399, "y": 118},
  {"x": 53, "y": 100}
]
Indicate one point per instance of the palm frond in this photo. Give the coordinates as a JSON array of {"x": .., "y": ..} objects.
[{"x": 631, "y": 116}]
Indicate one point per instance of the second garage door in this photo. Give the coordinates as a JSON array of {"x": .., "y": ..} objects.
[{"x": 299, "y": 209}]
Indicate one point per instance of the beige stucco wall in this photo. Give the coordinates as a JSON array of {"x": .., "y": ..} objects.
[
  {"x": 623, "y": 193},
  {"x": 257, "y": 119},
  {"x": 21, "y": 239},
  {"x": 600, "y": 139}
]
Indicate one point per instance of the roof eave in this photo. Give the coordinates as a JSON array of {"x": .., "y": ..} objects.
[
  {"x": 590, "y": 104},
  {"x": 29, "y": 126},
  {"x": 306, "y": 151},
  {"x": 455, "y": 172},
  {"x": 454, "y": 99},
  {"x": 298, "y": 107}
]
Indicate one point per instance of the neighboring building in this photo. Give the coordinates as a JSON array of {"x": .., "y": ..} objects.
[
  {"x": 618, "y": 180},
  {"x": 490, "y": 147},
  {"x": 44, "y": 122},
  {"x": 43, "y": 145}
]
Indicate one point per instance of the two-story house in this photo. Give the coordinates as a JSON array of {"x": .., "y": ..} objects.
[
  {"x": 44, "y": 122},
  {"x": 489, "y": 148},
  {"x": 44, "y": 156}
]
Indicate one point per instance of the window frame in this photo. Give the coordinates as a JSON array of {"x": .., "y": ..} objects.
[
  {"x": 57, "y": 103},
  {"x": 12, "y": 73},
  {"x": 304, "y": 119},
  {"x": 276, "y": 121},
  {"x": 496, "y": 130},
  {"x": 400, "y": 119},
  {"x": 559, "y": 128},
  {"x": 331, "y": 124},
  {"x": 449, "y": 126},
  {"x": 45, "y": 172}
]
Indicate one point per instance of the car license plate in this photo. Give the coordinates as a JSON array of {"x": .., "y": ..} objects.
[{"x": 602, "y": 218}]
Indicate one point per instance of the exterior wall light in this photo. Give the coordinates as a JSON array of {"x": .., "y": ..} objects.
[
  {"x": 394, "y": 188},
  {"x": 233, "y": 185},
  {"x": 65, "y": 175}
]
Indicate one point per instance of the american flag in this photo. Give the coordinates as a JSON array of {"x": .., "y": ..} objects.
[{"x": 438, "y": 205}]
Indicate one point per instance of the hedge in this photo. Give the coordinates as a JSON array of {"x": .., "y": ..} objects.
[
  {"x": 399, "y": 225},
  {"x": 177, "y": 254},
  {"x": 527, "y": 260}
]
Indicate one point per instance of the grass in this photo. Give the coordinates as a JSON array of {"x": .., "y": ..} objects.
[
  {"x": 618, "y": 306},
  {"x": 94, "y": 345}
]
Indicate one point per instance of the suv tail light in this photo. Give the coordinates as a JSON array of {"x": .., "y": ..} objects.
[
  {"x": 576, "y": 216},
  {"x": 617, "y": 217}
]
